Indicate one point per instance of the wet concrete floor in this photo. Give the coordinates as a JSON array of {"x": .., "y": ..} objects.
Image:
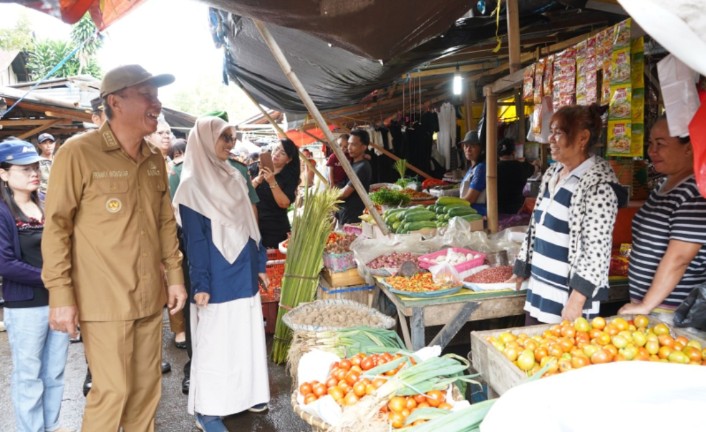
[{"x": 171, "y": 415}]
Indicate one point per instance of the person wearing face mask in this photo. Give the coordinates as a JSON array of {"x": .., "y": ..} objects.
[
  {"x": 38, "y": 352},
  {"x": 277, "y": 190},
  {"x": 668, "y": 254},
  {"x": 566, "y": 253},
  {"x": 226, "y": 259}
]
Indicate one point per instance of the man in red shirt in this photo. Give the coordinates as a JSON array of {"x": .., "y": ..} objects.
[{"x": 336, "y": 176}]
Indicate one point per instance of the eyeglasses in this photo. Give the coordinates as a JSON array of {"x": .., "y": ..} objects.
[
  {"x": 229, "y": 138},
  {"x": 27, "y": 169}
]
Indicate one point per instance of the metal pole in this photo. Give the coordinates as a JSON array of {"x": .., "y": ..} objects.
[
  {"x": 491, "y": 157},
  {"x": 309, "y": 103}
]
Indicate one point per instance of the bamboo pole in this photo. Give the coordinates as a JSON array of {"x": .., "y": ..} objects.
[
  {"x": 513, "y": 35},
  {"x": 281, "y": 132},
  {"x": 394, "y": 157},
  {"x": 314, "y": 111},
  {"x": 520, "y": 111},
  {"x": 491, "y": 157}
]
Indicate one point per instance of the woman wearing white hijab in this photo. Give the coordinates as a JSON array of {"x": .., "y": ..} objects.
[{"x": 226, "y": 256}]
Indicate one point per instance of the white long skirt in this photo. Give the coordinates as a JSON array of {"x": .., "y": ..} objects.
[{"x": 229, "y": 362}]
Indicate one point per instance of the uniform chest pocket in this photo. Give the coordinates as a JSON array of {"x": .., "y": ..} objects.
[{"x": 112, "y": 186}]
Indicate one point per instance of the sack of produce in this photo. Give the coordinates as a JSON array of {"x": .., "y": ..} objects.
[{"x": 321, "y": 315}]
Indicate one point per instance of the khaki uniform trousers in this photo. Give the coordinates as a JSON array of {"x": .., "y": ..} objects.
[{"x": 124, "y": 358}]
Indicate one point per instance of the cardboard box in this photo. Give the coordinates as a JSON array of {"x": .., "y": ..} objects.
[{"x": 343, "y": 279}]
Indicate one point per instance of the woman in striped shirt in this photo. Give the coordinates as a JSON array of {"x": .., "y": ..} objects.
[
  {"x": 566, "y": 253},
  {"x": 668, "y": 257}
]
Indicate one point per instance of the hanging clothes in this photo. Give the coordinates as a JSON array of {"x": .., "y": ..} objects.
[{"x": 446, "y": 138}]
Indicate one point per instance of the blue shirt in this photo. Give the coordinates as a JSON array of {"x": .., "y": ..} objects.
[{"x": 209, "y": 270}]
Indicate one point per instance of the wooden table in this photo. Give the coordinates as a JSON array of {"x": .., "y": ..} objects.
[{"x": 453, "y": 311}]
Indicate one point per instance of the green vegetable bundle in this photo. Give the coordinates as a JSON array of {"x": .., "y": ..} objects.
[
  {"x": 390, "y": 197},
  {"x": 310, "y": 231}
]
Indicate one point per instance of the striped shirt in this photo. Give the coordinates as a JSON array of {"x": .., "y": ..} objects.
[
  {"x": 548, "y": 288},
  {"x": 678, "y": 214}
]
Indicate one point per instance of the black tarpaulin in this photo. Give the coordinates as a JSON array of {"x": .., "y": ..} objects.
[{"x": 375, "y": 29}]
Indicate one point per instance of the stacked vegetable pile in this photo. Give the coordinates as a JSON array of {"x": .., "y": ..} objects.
[
  {"x": 397, "y": 390},
  {"x": 339, "y": 242},
  {"x": 437, "y": 215},
  {"x": 567, "y": 346}
]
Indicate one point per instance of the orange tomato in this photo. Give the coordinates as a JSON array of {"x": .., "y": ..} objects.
[
  {"x": 359, "y": 389},
  {"x": 305, "y": 389},
  {"x": 319, "y": 389},
  {"x": 351, "y": 377},
  {"x": 445, "y": 406},
  {"x": 345, "y": 364},
  {"x": 420, "y": 398},
  {"x": 435, "y": 398},
  {"x": 309, "y": 398},
  {"x": 598, "y": 323},
  {"x": 666, "y": 340},
  {"x": 664, "y": 352},
  {"x": 579, "y": 361},
  {"x": 378, "y": 382},
  {"x": 621, "y": 323},
  {"x": 410, "y": 403},
  {"x": 367, "y": 363},
  {"x": 396, "y": 419},
  {"x": 641, "y": 321},
  {"x": 397, "y": 404},
  {"x": 600, "y": 356},
  {"x": 660, "y": 329},
  {"x": 336, "y": 393},
  {"x": 350, "y": 399}
]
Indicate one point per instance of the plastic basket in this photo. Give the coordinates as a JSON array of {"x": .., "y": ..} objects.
[
  {"x": 338, "y": 262},
  {"x": 426, "y": 261}
]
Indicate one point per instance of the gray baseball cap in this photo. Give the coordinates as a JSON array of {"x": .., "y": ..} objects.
[{"x": 130, "y": 75}]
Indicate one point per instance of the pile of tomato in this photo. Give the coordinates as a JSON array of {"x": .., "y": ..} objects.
[
  {"x": 400, "y": 407},
  {"x": 346, "y": 386},
  {"x": 344, "y": 382},
  {"x": 567, "y": 345}
]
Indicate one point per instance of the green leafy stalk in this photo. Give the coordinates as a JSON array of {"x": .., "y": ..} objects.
[{"x": 310, "y": 230}]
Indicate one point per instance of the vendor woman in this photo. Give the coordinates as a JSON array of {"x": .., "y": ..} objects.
[
  {"x": 668, "y": 257},
  {"x": 473, "y": 183}
]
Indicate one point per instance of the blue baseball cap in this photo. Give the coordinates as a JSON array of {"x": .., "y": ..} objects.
[{"x": 18, "y": 152}]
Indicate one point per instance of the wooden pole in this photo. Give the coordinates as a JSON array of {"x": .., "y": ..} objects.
[
  {"x": 491, "y": 157},
  {"x": 314, "y": 111},
  {"x": 513, "y": 35},
  {"x": 395, "y": 158},
  {"x": 520, "y": 111},
  {"x": 281, "y": 133}
]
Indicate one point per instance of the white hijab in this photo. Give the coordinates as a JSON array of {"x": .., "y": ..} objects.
[{"x": 216, "y": 190}]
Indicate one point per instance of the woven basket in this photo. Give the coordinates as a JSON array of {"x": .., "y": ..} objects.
[
  {"x": 307, "y": 308},
  {"x": 318, "y": 425}
]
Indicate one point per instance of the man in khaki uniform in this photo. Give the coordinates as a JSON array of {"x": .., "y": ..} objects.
[{"x": 109, "y": 226}]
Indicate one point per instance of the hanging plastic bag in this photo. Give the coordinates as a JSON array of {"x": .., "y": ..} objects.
[{"x": 692, "y": 312}]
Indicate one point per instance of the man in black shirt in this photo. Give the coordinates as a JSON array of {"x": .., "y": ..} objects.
[
  {"x": 512, "y": 177},
  {"x": 352, "y": 206}
]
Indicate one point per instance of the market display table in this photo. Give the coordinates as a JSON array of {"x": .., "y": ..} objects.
[{"x": 453, "y": 311}]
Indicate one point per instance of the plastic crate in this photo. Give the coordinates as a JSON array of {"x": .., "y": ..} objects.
[
  {"x": 269, "y": 315},
  {"x": 338, "y": 262},
  {"x": 426, "y": 261}
]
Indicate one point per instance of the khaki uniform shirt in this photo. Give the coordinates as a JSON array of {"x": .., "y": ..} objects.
[{"x": 109, "y": 225}]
